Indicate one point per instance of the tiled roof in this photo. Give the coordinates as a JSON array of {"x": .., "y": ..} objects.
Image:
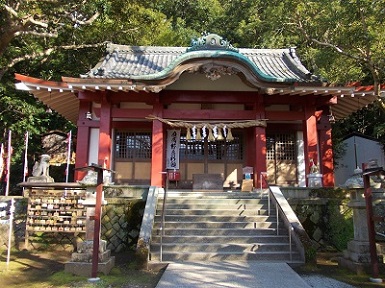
[
  {"x": 132, "y": 61},
  {"x": 135, "y": 68},
  {"x": 153, "y": 63}
]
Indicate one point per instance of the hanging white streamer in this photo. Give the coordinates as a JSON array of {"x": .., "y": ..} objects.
[
  {"x": 194, "y": 131},
  {"x": 215, "y": 131},
  {"x": 204, "y": 134}
]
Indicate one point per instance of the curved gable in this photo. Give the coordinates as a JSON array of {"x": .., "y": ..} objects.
[{"x": 210, "y": 55}]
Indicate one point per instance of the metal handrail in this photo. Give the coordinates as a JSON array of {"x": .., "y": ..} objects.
[
  {"x": 145, "y": 234},
  {"x": 263, "y": 179},
  {"x": 163, "y": 219},
  {"x": 280, "y": 212}
]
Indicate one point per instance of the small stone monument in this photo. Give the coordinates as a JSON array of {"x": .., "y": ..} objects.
[
  {"x": 40, "y": 171},
  {"x": 357, "y": 255},
  {"x": 81, "y": 260},
  {"x": 356, "y": 180}
]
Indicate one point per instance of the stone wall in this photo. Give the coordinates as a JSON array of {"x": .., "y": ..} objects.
[
  {"x": 121, "y": 220},
  {"x": 120, "y": 226},
  {"x": 327, "y": 221}
]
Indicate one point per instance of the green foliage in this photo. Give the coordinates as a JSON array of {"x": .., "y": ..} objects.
[
  {"x": 328, "y": 193},
  {"x": 310, "y": 254},
  {"x": 339, "y": 224},
  {"x": 133, "y": 214},
  {"x": 329, "y": 219},
  {"x": 342, "y": 41}
]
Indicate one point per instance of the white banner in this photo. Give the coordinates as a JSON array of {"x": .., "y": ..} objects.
[{"x": 173, "y": 144}]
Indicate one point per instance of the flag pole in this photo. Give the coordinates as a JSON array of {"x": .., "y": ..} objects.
[
  {"x": 8, "y": 161},
  {"x": 68, "y": 155},
  {"x": 1, "y": 160},
  {"x": 12, "y": 211},
  {"x": 26, "y": 156}
]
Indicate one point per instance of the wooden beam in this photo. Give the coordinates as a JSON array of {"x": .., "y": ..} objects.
[
  {"x": 168, "y": 97},
  {"x": 285, "y": 115},
  {"x": 130, "y": 113},
  {"x": 209, "y": 114}
]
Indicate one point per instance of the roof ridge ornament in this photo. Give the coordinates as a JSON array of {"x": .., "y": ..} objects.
[{"x": 210, "y": 41}]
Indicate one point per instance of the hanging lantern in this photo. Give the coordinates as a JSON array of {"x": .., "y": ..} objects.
[
  {"x": 188, "y": 134},
  {"x": 199, "y": 136},
  {"x": 229, "y": 136},
  {"x": 220, "y": 135},
  {"x": 211, "y": 136}
]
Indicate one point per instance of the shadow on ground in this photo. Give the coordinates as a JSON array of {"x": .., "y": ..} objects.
[{"x": 46, "y": 269}]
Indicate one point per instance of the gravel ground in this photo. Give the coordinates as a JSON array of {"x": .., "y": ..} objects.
[{"x": 318, "y": 281}]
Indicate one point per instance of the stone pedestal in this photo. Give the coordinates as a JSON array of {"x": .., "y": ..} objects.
[
  {"x": 81, "y": 260},
  {"x": 208, "y": 182},
  {"x": 40, "y": 179},
  {"x": 314, "y": 180},
  {"x": 357, "y": 255}
]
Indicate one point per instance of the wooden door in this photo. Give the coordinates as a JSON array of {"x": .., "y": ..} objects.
[{"x": 281, "y": 159}]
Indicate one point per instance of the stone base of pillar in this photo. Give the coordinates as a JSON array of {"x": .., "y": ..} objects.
[
  {"x": 357, "y": 257},
  {"x": 81, "y": 261}
]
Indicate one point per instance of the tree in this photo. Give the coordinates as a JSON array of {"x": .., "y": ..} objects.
[
  {"x": 345, "y": 38},
  {"x": 53, "y": 38},
  {"x": 37, "y": 28},
  {"x": 342, "y": 41}
]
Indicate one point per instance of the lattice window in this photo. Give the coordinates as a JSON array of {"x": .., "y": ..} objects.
[
  {"x": 191, "y": 149},
  {"x": 270, "y": 147},
  {"x": 133, "y": 145},
  {"x": 234, "y": 148},
  {"x": 217, "y": 150},
  {"x": 281, "y": 147}
]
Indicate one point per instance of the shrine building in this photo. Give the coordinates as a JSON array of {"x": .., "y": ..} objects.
[{"x": 207, "y": 109}]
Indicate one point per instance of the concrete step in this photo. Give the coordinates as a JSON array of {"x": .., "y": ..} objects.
[
  {"x": 221, "y": 239},
  {"x": 213, "y": 201},
  {"x": 229, "y": 256},
  {"x": 215, "y": 212},
  {"x": 214, "y": 206},
  {"x": 213, "y": 195},
  {"x": 220, "y": 247},
  {"x": 222, "y": 231},
  {"x": 217, "y": 225},
  {"x": 213, "y": 218}
]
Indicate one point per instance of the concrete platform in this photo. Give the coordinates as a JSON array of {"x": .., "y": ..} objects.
[{"x": 230, "y": 274}]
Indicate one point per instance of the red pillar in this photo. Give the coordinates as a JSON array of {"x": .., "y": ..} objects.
[
  {"x": 260, "y": 143},
  {"x": 310, "y": 136},
  {"x": 326, "y": 151},
  {"x": 105, "y": 133},
  {"x": 158, "y": 153},
  {"x": 82, "y": 140},
  {"x": 260, "y": 154}
]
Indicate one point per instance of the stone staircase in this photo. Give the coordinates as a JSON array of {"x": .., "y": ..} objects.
[{"x": 216, "y": 226}]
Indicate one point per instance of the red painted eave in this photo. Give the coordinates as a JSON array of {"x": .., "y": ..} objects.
[
  {"x": 56, "y": 95},
  {"x": 40, "y": 82}
]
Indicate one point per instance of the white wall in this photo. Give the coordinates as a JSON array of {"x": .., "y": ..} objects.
[
  {"x": 94, "y": 146},
  {"x": 301, "y": 160},
  {"x": 358, "y": 150}
]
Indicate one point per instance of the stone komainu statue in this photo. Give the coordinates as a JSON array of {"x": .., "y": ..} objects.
[{"x": 41, "y": 168}]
